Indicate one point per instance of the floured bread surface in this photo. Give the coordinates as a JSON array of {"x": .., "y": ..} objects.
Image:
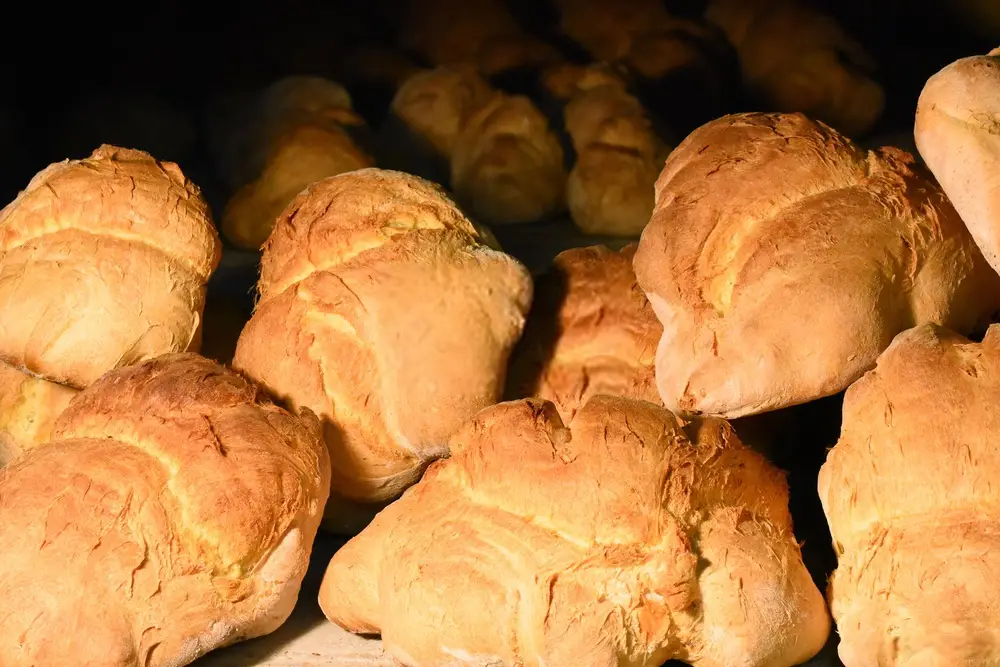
[
  {"x": 957, "y": 132},
  {"x": 910, "y": 495},
  {"x": 781, "y": 260},
  {"x": 103, "y": 263},
  {"x": 591, "y": 331},
  {"x": 29, "y": 407},
  {"x": 626, "y": 537},
  {"x": 172, "y": 513},
  {"x": 383, "y": 310}
]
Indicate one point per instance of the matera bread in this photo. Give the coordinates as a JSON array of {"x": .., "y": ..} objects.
[
  {"x": 103, "y": 263},
  {"x": 591, "y": 331},
  {"x": 382, "y": 310},
  {"x": 782, "y": 260},
  {"x": 29, "y": 407},
  {"x": 911, "y": 498},
  {"x": 173, "y": 513},
  {"x": 957, "y": 132},
  {"x": 624, "y": 538}
]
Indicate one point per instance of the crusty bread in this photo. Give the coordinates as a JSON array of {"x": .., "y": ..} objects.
[
  {"x": 508, "y": 166},
  {"x": 781, "y": 260},
  {"x": 29, "y": 407},
  {"x": 173, "y": 513},
  {"x": 957, "y": 132},
  {"x": 298, "y": 135},
  {"x": 910, "y": 495},
  {"x": 381, "y": 310},
  {"x": 795, "y": 58},
  {"x": 591, "y": 331},
  {"x": 618, "y": 157},
  {"x": 103, "y": 263},
  {"x": 626, "y": 538}
]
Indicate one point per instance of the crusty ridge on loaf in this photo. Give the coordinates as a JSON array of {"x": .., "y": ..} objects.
[
  {"x": 770, "y": 225},
  {"x": 627, "y": 537},
  {"x": 173, "y": 512},
  {"x": 384, "y": 311},
  {"x": 910, "y": 494},
  {"x": 103, "y": 263}
]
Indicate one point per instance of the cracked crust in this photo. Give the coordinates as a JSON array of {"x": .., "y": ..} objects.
[
  {"x": 911, "y": 500},
  {"x": 172, "y": 513},
  {"x": 103, "y": 263},
  {"x": 650, "y": 539},
  {"x": 782, "y": 259},
  {"x": 591, "y": 331},
  {"x": 360, "y": 321},
  {"x": 957, "y": 132}
]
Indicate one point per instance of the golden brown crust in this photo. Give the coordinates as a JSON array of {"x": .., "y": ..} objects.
[
  {"x": 909, "y": 495},
  {"x": 29, "y": 407},
  {"x": 796, "y": 58},
  {"x": 508, "y": 165},
  {"x": 626, "y": 538},
  {"x": 957, "y": 132},
  {"x": 618, "y": 157},
  {"x": 591, "y": 331},
  {"x": 768, "y": 223},
  {"x": 103, "y": 263},
  {"x": 173, "y": 513},
  {"x": 336, "y": 329}
]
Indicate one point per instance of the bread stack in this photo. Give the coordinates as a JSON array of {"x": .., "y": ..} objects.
[
  {"x": 382, "y": 310},
  {"x": 298, "y": 132},
  {"x": 103, "y": 263},
  {"x": 504, "y": 162}
]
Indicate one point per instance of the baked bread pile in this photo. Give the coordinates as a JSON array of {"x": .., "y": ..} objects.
[
  {"x": 298, "y": 132},
  {"x": 504, "y": 162},
  {"x": 382, "y": 310},
  {"x": 103, "y": 263},
  {"x": 795, "y": 58},
  {"x": 591, "y": 332},
  {"x": 173, "y": 513},
  {"x": 768, "y": 224},
  {"x": 626, "y": 537}
]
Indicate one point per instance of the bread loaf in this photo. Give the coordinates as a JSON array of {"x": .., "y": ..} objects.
[
  {"x": 910, "y": 497},
  {"x": 781, "y": 260},
  {"x": 300, "y": 135},
  {"x": 625, "y": 538},
  {"x": 173, "y": 513},
  {"x": 29, "y": 407},
  {"x": 795, "y": 58},
  {"x": 591, "y": 331},
  {"x": 103, "y": 263},
  {"x": 957, "y": 132},
  {"x": 618, "y": 157},
  {"x": 381, "y": 310}
]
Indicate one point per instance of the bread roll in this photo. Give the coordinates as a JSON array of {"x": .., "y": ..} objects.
[
  {"x": 624, "y": 538},
  {"x": 795, "y": 58},
  {"x": 958, "y": 134},
  {"x": 618, "y": 157},
  {"x": 769, "y": 226},
  {"x": 29, "y": 407},
  {"x": 103, "y": 263},
  {"x": 301, "y": 130},
  {"x": 910, "y": 497},
  {"x": 508, "y": 165},
  {"x": 591, "y": 331},
  {"x": 173, "y": 513},
  {"x": 381, "y": 310}
]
